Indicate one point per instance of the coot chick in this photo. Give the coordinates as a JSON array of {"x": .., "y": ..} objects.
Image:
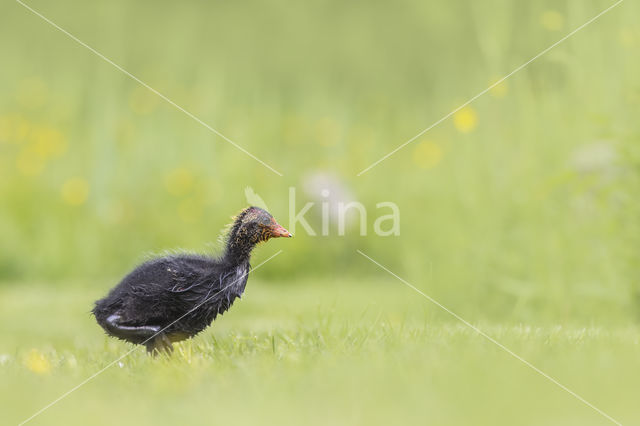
[{"x": 173, "y": 298}]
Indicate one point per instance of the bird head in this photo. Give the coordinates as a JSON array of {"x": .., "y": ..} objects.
[{"x": 257, "y": 225}]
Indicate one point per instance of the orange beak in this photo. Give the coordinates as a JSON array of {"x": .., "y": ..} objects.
[{"x": 278, "y": 231}]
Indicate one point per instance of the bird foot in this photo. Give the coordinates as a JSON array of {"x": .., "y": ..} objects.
[{"x": 159, "y": 344}]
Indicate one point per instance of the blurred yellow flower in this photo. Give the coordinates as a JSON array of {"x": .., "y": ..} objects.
[
  {"x": 75, "y": 191},
  {"x": 465, "y": 119},
  {"x": 143, "y": 101},
  {"x": 552, "y": 20},
  {"x": 179, "y": 181},
  {"x": 499, "y": 90},
  {"x": 29, "y": 162},
  {"x": 44, "y": 142},
  {"x": 190, "y": 210},
  {"x": 627, "y": 37},
  {"x": 328, "y": 131},
  {"x": 32, "y": 93},
  {"x": 48, "y": 142},
  {"x": 427, "y": 154},
  {"x": 37, "y": 362}
]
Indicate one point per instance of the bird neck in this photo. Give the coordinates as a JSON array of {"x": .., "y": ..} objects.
[{"x": 238, "y": 249}]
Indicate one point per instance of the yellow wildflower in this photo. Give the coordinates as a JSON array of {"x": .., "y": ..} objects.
[
  {"x": 552, "y": 20},
  {"x": 75, "y": 191},
  {"x": 48, "y": 142},
  {"x": 499, "y": 90},
  {"x": 427, "y": 154},
  {"x": 465, "y": 119},
  {"x": 37, "y": 362},
  {"x": 627, "y": 37}
]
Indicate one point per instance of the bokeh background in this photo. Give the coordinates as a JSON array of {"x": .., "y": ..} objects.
[{"x": 522, "y": 208}]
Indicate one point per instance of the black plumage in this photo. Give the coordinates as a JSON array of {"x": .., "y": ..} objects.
[{"x": 172, "y": 298}]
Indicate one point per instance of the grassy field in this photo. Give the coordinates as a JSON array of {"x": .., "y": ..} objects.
[
  {"x": 345, "y": 352},
  {"x": 519, "y": 212},
  {"x": 534, "y": 179}
]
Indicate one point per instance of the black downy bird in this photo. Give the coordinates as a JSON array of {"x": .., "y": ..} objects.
[{"x": 173, "y": 298}]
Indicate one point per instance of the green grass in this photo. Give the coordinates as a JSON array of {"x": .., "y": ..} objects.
[
  {"x": 337, "y": 352},
  {"x": 323, "y": 87}
]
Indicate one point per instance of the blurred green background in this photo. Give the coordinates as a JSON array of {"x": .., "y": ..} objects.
[{"x": 522, "y": 207}]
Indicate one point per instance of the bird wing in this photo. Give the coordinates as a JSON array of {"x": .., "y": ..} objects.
[{"x": 186, "y": 273}]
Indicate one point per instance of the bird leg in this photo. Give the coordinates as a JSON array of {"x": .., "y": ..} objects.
[{"x": 159, "y": 344}]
